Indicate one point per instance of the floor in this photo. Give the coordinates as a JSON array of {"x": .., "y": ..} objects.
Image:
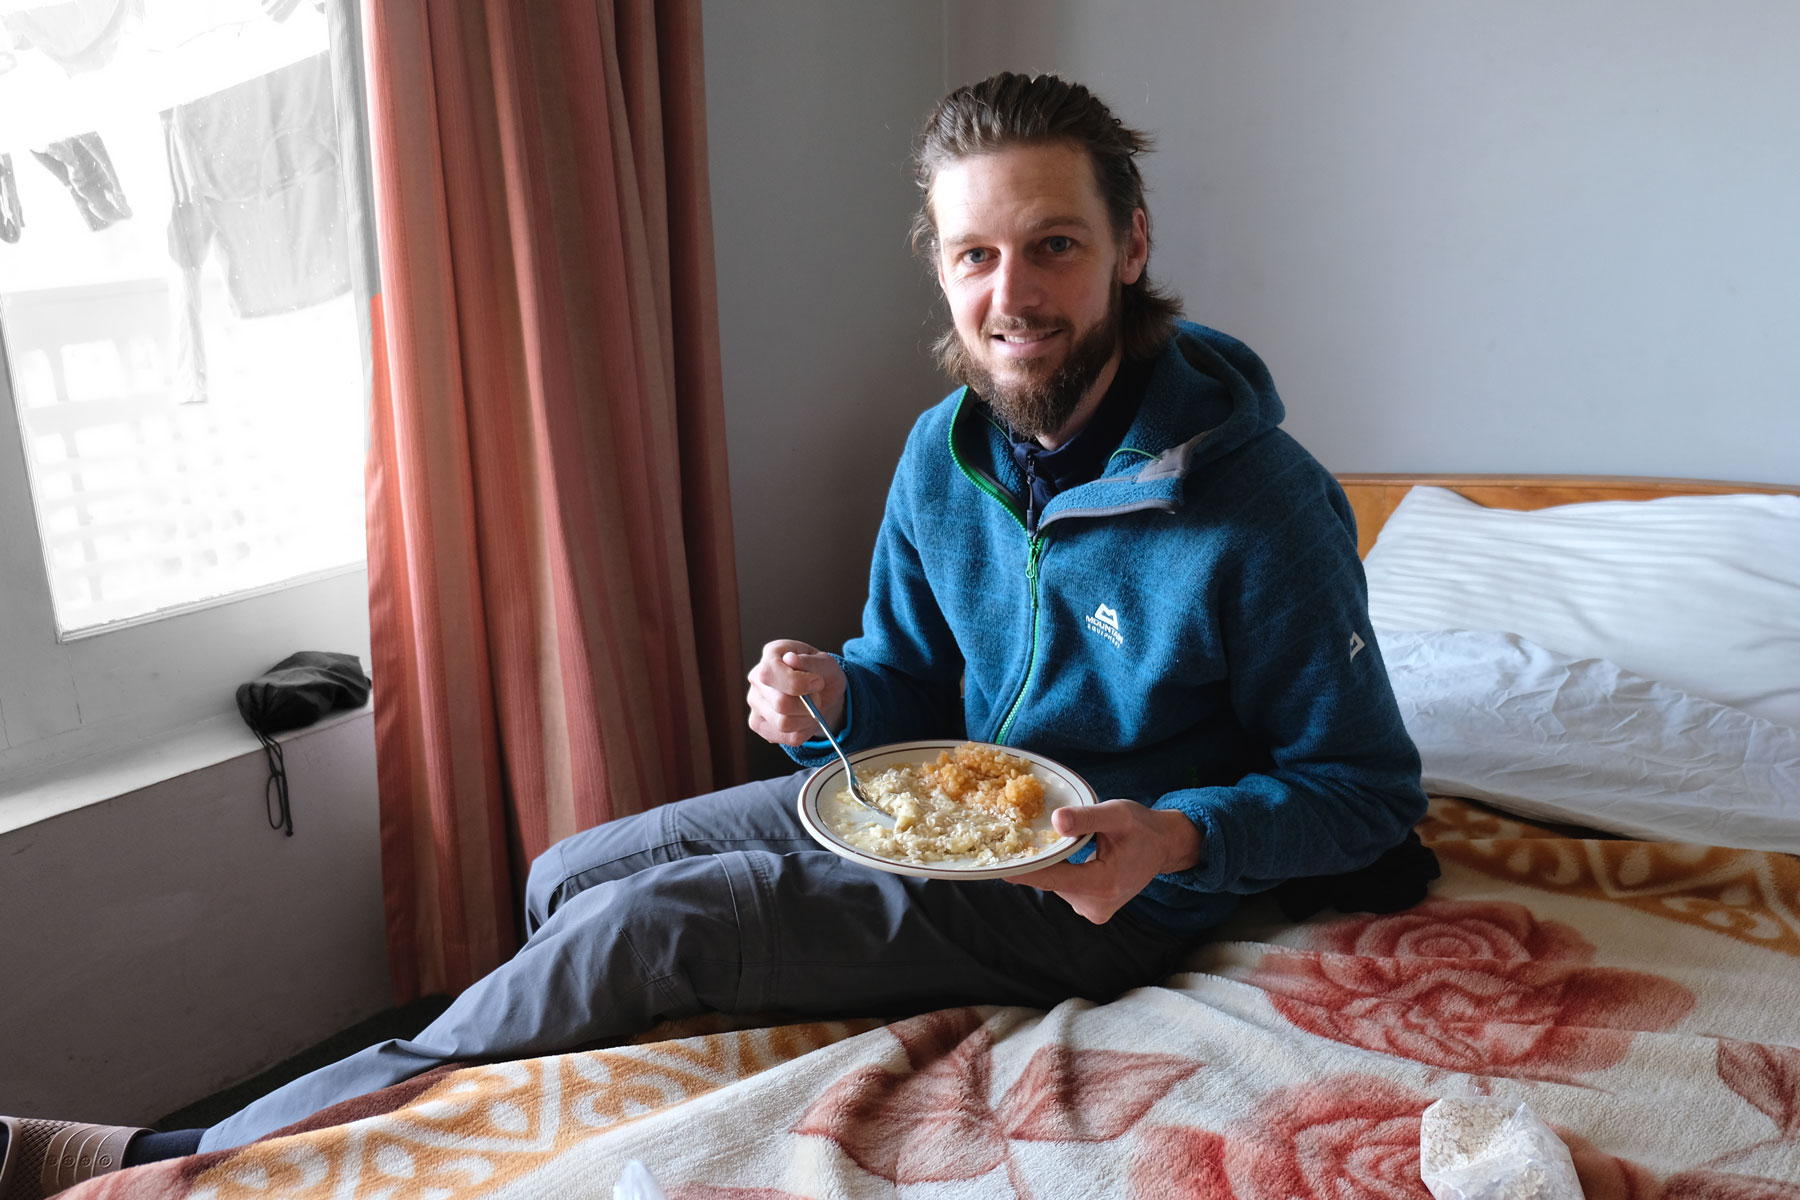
[{"x": 401, "y": 1022}]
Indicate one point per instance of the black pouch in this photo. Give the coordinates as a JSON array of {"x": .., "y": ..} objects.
[
  {"x": 1395, "y": 881},
  {"x": 294, "y": 693}
]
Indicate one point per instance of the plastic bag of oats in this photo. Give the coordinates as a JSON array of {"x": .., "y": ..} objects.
[{"x": 1485, "y": 1148}]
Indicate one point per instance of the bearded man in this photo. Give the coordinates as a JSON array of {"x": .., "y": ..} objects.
[{"x": 1101, "y": 548}]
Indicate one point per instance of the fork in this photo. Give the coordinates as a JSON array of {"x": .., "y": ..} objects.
[{"x": 849, "y": 773}]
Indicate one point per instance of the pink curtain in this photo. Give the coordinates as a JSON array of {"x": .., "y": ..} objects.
[{"x": 553, "y": 592}]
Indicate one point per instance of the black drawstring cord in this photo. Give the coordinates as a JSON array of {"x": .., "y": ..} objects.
[
  {"x": 282, "y": 817},
  {"x": 1031, "y": 512},
  {"x": 292, "y": 694}
]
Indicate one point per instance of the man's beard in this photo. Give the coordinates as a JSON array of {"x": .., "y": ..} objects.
[{"x": 1043, "y": 404}]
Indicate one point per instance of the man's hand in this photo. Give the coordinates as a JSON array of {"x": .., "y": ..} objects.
[
  {"x": 787, "y": 671},
  {"x": 1132, "y": 845}
]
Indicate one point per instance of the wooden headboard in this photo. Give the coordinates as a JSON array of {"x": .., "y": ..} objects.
[{"x": 1374, "y": 497}]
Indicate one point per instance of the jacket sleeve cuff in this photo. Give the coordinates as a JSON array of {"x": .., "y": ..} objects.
[{"x": 1213, "y": 872}]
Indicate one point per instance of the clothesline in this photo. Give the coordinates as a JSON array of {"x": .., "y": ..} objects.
[{"x": 41, "y": 103}]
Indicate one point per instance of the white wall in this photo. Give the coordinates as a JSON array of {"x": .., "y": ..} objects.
[
  {"x": 164, "y": 944},
  {"x": 1543, "y": 235}
]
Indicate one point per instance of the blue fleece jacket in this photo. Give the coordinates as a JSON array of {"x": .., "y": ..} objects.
[{"x": 1189, "y": 631}]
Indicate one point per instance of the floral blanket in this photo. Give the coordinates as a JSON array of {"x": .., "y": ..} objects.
[{"x": 1643, "y": 999}]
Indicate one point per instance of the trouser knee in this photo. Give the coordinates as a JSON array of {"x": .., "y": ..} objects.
[
  {"x": 693, "y": 924},
  {"x": 542, "y": 887}
]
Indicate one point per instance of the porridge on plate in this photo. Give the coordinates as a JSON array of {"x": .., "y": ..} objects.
[{"x": 976, "y": 805}]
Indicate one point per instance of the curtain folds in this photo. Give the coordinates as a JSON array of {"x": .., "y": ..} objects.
[{"x": 552, "y": 584}]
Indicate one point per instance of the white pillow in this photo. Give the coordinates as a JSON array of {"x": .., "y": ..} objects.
[
  {"x": 1555, "y": 738},
  {"x": 1700, "y": 592}
]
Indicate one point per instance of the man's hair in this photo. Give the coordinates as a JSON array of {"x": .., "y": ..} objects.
[{"x": 1008, "y": 110}]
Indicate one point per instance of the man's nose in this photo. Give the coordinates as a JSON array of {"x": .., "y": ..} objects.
[{"x": 1018, "y": 287}]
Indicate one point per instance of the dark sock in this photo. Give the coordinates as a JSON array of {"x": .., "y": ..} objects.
[{"x": 154, "y": 1147}]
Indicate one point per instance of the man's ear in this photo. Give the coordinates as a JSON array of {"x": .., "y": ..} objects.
[{"x": 1136, "y": 251}]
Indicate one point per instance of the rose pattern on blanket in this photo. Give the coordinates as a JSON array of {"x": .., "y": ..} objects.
[
  {"x": 1353, "y": 1135},
  {"x": 1749, "y": 895},
  {"x": 1718, "y": 1114},
  {"x": 1477, "y": 986},
  {"x": 1349, "y": 1137},
  {"x": 937, "y": 1122},
  {"x": 1175, "y": 1162},
  {"x": 1718, "y": 1185},
  {"x": 1606, "y": 1176},
  {"x": 1346, "y": 1137},
  {"x": 1767, "y": 1077}
]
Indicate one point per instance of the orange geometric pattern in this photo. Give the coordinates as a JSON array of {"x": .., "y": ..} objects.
[
  {"x": 1750, "y": 895},
  {"x": 486, "y": 1126}
]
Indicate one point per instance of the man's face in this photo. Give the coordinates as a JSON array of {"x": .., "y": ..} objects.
[{"x": 1033, "y": 273}]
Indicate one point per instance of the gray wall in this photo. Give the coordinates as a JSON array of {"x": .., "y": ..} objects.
[
  {"x": 1543, "y": 235},
  {"x": 824, "y": 313},
  {"x": 166, "y": 943}
]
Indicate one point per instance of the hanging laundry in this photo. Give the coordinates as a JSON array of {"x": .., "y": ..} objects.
[
  {"x": 255, "y": 169},
  {"x": 82, "y": 165},
  {"x": 256, "y": 172},
  {"x": 77, "y": 35},
  {"x": 281, "y": 10},
  {"x": 11, "y": 219}
]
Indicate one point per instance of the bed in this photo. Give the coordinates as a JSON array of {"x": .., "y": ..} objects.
[{"x": 1614, "y": 941}]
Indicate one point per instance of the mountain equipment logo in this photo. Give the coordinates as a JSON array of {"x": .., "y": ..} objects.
[
  {"x": 1105, "y": 622},
  {"x": 1356, "y": 644}
]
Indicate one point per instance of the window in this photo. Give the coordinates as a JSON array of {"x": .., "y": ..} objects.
[{"x": 183, "y": 287}]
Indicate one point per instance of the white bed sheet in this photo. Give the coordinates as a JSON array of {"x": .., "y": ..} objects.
[
  {"x": 1553, "y": 737},
  {"x": 1700, "y": 592}
]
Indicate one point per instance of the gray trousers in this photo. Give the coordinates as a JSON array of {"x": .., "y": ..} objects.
[{"x": 724, "y": 903}]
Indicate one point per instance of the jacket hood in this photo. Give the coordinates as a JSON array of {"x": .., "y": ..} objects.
[{"x": 1208, "y": 394}]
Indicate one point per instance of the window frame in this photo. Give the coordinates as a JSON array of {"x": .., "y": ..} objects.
[
  {"x": 66, "y": 698},
  {"x": 128, "y": 689}
]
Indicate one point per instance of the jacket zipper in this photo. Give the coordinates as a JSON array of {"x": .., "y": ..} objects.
[{"x": 1034, "y": 552}]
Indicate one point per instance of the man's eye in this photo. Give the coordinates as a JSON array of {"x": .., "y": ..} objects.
[
  {"x": 975, "y": 257},
  {"x": 1058, "y": 244}
]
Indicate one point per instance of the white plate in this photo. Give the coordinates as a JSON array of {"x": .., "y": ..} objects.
[{"x": 1062, "y": 788}]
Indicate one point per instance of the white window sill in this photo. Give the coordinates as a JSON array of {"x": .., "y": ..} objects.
[{"x": 96, "y": 779}]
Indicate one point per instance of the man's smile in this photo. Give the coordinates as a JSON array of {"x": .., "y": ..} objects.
[{"x": 1028, "y": 343}]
